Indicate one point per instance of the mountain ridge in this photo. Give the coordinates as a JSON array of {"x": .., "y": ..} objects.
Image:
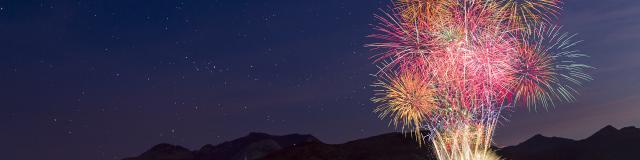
[
  {"x": 607, "y": 143},
  {"x": 253, "y": 146}
]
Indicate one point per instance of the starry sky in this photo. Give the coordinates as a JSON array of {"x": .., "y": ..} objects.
[{"x": 109, "y": 79}]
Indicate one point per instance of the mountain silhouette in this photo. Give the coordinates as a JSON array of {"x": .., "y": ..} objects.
[
  {"x": 383, "y": 147},
  {"x": 250, "y": 147},
  {"x": 606, "y": 144}
]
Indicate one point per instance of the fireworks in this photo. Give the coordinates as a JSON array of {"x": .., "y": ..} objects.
[
  {"x": 465, "y": 142},
  {"x": 404, "y": 43},
  {"x": 408, "y": 100},
  {"x": 525, "y": 14},
  {"x": 451, "y": 66},
  {"x": 547, "y": 68}
]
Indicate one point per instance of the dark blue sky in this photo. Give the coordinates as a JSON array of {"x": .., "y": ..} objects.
[{"x": 109, "y": 79}]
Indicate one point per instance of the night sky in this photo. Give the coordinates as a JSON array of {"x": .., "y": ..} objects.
[{"x": 109, "y": 79}]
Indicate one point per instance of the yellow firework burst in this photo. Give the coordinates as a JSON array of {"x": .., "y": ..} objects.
[
  {"x": 418, "y": 11},
  {"x": 412, "y": 10},
  {"x": 522, "y": 14},
  {"x": 407, "y": 99}
]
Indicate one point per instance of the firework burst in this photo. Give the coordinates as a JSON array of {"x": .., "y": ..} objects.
[
  {"x": 526, "y": 14},
  {"x": 451, "y": 66},
  {"x": 547, "y": 68},
  {"x": 408, "y": 99},
  {"x": 405, "y": 43}
]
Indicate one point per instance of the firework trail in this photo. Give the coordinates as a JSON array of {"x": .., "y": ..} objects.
[{"x": 451, "y": 66}]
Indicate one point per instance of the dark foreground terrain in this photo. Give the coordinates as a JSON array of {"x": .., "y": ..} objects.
[{"x": 607, "y": 144}]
